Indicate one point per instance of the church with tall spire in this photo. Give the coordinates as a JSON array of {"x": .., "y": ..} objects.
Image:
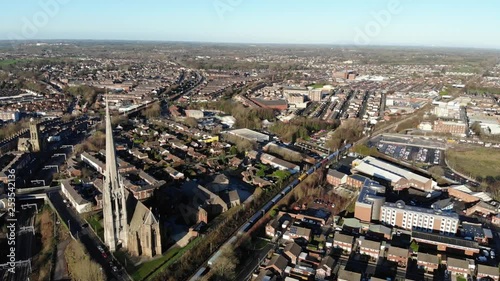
[
  {"x": 114, "y": 207},
  {"x": 128, "y": 223}
]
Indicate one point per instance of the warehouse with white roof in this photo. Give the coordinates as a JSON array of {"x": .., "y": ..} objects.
[{"x": 398, "y": 178}]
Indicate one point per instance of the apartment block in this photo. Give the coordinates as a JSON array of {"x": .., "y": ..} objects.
[{"x": 409, "y": 217}]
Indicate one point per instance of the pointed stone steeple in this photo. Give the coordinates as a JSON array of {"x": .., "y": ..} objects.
[{"x": 114, "y": 207}]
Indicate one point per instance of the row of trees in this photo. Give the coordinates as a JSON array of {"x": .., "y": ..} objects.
[
  {"x": 300, "y": 128},
  {"x": 94, "y": 143},
  {"x": 246, "y": 117},
  {"x": 80, "y": 266},
  {"x": 230, "y": 221},
  {"x": 12, "y": 128},
  {"x": 88, "y": 94},
  {"x": 350, "y": 131}
]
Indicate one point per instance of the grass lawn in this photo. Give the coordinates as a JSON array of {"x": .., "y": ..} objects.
[
  {"x": 317, "y": 86},
  {"x": 95, "y": 221},
  {"x": 474, "y": 162},
  {"x": 143, "y": 270}
]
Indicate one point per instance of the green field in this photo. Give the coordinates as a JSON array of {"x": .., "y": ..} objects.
[
  {"x": 475, "y": 162},
  {"x": 8, "y": 62},
  {"x": 317, "y": 86}
]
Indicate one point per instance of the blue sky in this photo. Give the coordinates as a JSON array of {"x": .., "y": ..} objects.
[{"x": 462, "y": 23}]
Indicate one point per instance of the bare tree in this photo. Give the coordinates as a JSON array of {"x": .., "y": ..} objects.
[{"x": 225, "y": 267}]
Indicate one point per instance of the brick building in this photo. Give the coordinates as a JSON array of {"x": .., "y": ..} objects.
[
  {"x": 398, "y": 255},
  {"x": 355, "y": 181},
  {"x": 369, "y": 248},
  {"x": 484, "y": 272},
  {"x": 343, "y": 241},
  {"x": 450, "y": 127},
  {"x": 336, "y": 178},
  {"x": 456, "y": 266},
  {"x": 428, "y": 262},
  {"x": 369, "y": 202}
]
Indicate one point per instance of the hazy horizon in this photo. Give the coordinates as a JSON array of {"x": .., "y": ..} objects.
[{"x": 399, "y": 23}]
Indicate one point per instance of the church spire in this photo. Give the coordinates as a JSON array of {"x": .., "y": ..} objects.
[{"x": 114, "y": 208}]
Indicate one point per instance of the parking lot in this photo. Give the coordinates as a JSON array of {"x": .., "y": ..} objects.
[{"x": 412, "y": 154}]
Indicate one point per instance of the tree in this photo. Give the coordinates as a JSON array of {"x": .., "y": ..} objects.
[
  {"x": 476, "y": 128},
  {"x": 490, "y": 179},
  {"x": 365, "y": 150},
  {"x": 191, "y": 122},
  {"x": 414, "y": 246},
  {"x": 233, "y": 150},
  {"x": 153, "y": 112},
  {"x": 80, "y": 266},
  {"x": 349, "y": 131},
  {"x": 225, "y": 267},
  {"x": 436, "y": 172}
]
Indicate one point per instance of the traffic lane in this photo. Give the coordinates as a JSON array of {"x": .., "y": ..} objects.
[
  {"x": 88, "y": 239},
  {"x": 91, "y": 246},
  {"x": 65, "y": 213},
  {"x": 92, "y": 242}
]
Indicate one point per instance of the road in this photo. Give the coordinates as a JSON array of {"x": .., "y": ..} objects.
[{"x": 86, "y": 236}]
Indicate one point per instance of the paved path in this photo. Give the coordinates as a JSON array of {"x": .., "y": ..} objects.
[{"x": 61, "y": 270}]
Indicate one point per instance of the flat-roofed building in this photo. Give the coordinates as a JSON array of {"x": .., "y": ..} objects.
[
  {"x": 456, "y": 128},
  {"x": 410, "y": 217},
  {"x": 444, "y": 242},
  {"x": 278, "y": 104},
  {"x": 369, "y": 202},
  {"x": 249, "y": 135},
  {"x": 295, "y": 98},
  {"x": 9, "y": 116},
  {"x": 77, "y": 201}
]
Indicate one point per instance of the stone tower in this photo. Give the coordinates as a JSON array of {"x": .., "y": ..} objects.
[
  {"x": 114, "y": 201},
  {"x": 36, "y": 144}
]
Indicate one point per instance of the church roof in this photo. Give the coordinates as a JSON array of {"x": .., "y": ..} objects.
[
  {"x": 138, "y": 213},
  {"x": 150, "y": 219}
]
